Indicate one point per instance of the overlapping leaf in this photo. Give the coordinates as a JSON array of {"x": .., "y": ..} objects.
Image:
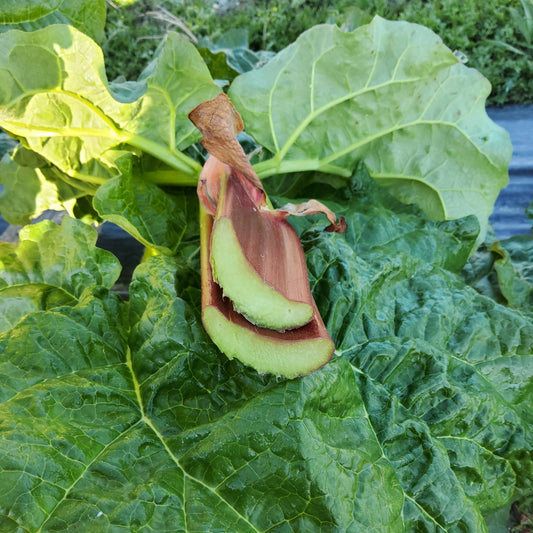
[
  {"x": 155, "y": 218},
  {"x": 55, "y": 95},
  {"x": 455, "y": 359},
  {"x": 390, "y": 94},
  {"x": 86, "y": 15},
  {"x": 164, "y": 434},
  {"x": 31, "y": 186},
  {"x": 117, "y": 418}
]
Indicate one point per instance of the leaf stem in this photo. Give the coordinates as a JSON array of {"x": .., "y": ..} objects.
[
  {"x": 87, "y": 178},
  {"x": 275, "y": 166},
  {"x": 174, "y": 158},
  {"x": 171, "y": 177}
]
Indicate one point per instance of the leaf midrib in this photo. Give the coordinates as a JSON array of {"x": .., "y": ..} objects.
[
  {"x": 86, "y": 469},
  {"x": 169, "y": 154},
  {"x": 175, "y": 460},
  {"x": 281, "y": 153}
]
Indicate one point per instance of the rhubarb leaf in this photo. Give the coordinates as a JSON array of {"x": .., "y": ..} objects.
[
  {"x": 144, "y": 210},
  {"x": 389, "y": 94},
  {"x": 26, "y": 193},
  {"x": 126, "y": 416},
  {"x": 54, "y": 95},
  {"x": 28, "y": 15},
  {"x": 502, "y": 270},
  {"x": 62, "y": 256},
  {"x": 514, "y": 271},
  {"x": 230, "y": 54},
  {"x": 378, "y": 222},
  {"x": 31, "y": 186},
  {"x": 94, "y": 431},
  {"x": 442, "y": 350}
]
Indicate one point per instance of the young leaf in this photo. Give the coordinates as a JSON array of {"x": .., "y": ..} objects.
[
  {"x": 143, "y": 210},
  {"x": 389, "y": 94}
]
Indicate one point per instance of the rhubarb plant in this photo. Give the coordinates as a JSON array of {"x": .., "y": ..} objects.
[{"x": 123, "y": 415}]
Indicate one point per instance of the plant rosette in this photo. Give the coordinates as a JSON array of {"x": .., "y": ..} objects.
[{"x": 124, "y": 415}]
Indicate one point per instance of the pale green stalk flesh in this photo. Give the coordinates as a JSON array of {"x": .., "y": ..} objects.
[
  {"x": 288, "y": 358},
  {"x": 251, "y": 296}
]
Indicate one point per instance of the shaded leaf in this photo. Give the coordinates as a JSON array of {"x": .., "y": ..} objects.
[
  {"x": 514, "y": 268},
  {"x": 143, "y": 210},
  {"x": 229, "y": 55}
]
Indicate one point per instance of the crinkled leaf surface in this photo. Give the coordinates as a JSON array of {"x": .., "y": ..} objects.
[
  {"x": 514, "y": 268},
  {"x": 391, "y": 94},
  {"x": 144, "y": 210},
  {"x": 54, "y": 94},
  {"x": 60, "y": 256},
  {"x": 503, "y": 270},
  {"x": 86, "y": 15},
  {"x": 124, "y": 416},
  {"x": 459, "y": 362},
  {"x": 379, "y": 224},
  {"x": 156, "y": 431}
]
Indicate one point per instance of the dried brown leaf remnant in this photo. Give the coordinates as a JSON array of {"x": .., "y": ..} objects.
[{"x": 220, "y": 123}]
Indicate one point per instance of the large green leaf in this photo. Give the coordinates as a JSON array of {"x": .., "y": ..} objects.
[
  {"x": 94, "y": 435},
  {"x": 120, "y": 416},
  {"x": 391, "y": 94},
  {"x": 458, "y": 361},
  {"x": 54, "y": 95},
  {"x": 87, "y": 15},
  {"x": 162, "y": 433}
]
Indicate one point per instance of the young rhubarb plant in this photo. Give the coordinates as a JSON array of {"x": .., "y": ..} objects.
[{"x": 255, "y": 284}]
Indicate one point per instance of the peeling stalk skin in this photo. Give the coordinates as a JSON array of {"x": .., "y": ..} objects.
[
  {"x": 257, "y": 259},
  {"x": 289, "y": 354}
]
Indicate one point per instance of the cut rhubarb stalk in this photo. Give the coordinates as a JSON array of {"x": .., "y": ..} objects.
[
  {"x": 257, "y": 259},
  {"x": 289, "y": 354}
]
